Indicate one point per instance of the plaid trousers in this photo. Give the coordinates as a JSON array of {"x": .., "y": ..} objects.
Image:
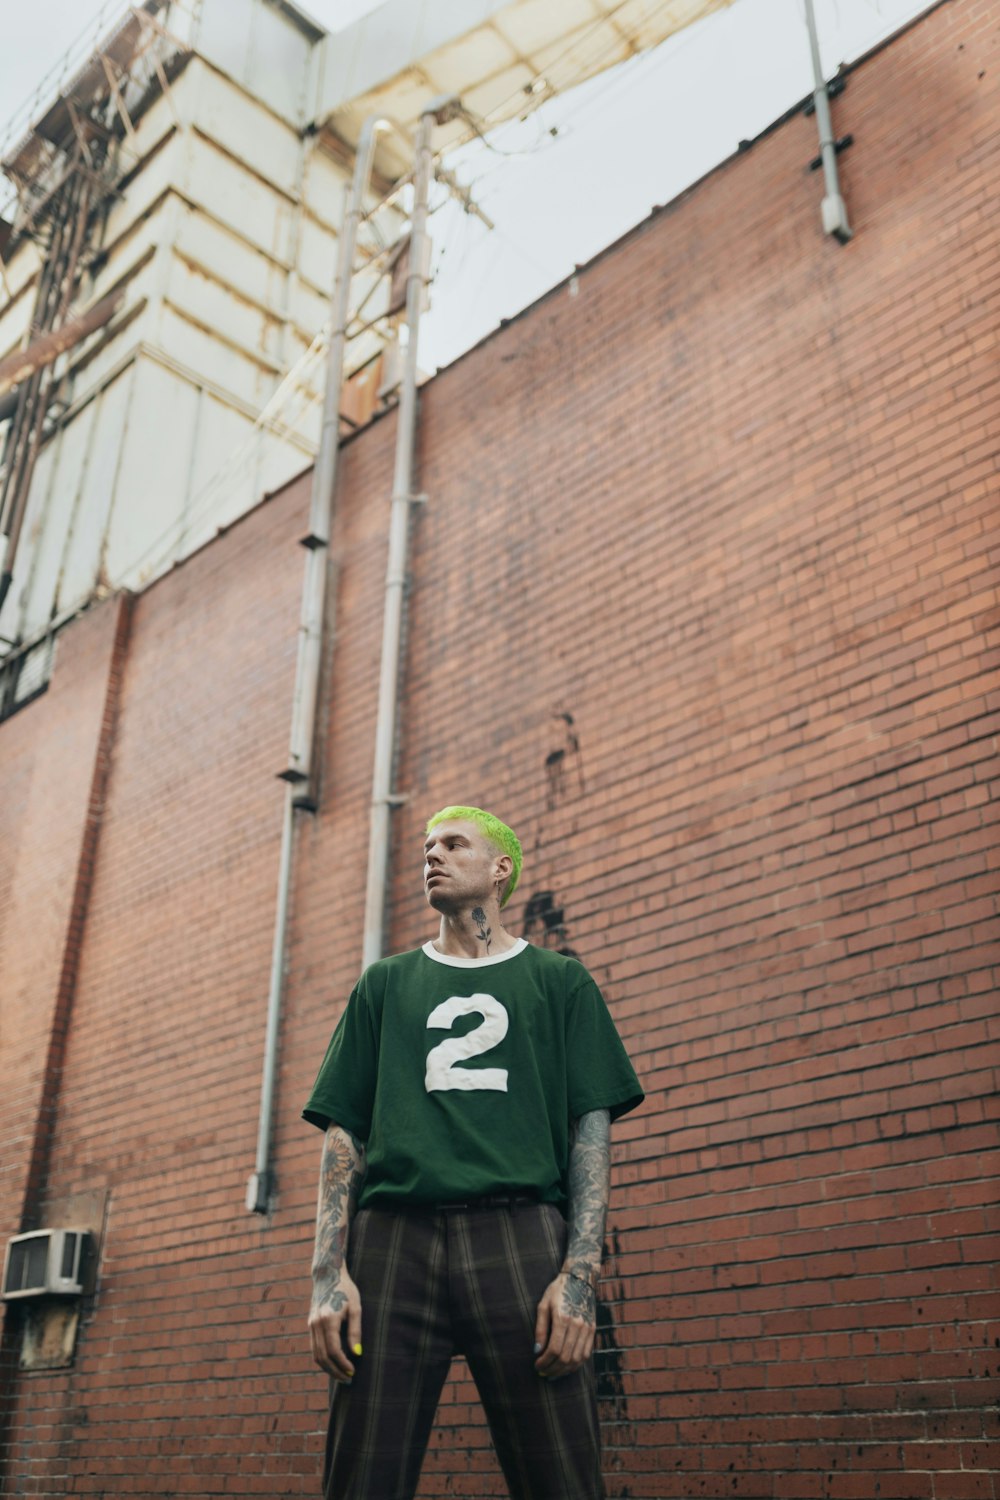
[{"x": 439, "y": 1282}]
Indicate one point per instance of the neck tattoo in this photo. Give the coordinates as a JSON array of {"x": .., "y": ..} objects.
[{"x": 485, "y": 933}]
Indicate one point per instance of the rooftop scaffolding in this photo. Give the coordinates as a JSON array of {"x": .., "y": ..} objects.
[{"x": 63, "y": 170}]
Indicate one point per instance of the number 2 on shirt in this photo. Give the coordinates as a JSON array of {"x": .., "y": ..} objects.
[{"x": 441, "y": 1070}]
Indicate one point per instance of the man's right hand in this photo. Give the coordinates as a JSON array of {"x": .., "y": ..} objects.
[{"x": 336, "y": 1303}]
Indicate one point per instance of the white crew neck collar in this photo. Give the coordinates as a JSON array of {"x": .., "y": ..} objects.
[{"x": 454, "y": 962}]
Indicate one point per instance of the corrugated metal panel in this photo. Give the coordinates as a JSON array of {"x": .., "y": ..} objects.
[
  {"x": 42, "y": 541},
  {"x": 226, "y": 255},
  {"x": 104, "y": 361},
  {"x": 263, "y": 49},
  {"x": 307, "y": 308},
  {"x": 325, "y": 184},
  {"x": 152, "y": 480},
  {"x": 262, "y": 215},
  {"x": 391, "y": 39},
  {"x": 317, "y": 257},
  {"x": 244, "y": 126},
  {"x": 67, "y": 513},
  {"x": 205, "y": 298},
  {"x": 222, "y": 473},
  {"x": 60, "y": 470},
  {"x": 248, "y": 379},
  {"x": 94, "y": 487},
  {"x": 161, "y": 171},
  {"x": 396, "y": 59},
  {"x": 95, "y": 491}
]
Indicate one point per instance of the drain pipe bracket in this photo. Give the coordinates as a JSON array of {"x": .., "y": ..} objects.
[{"x": 833, "y": 208}]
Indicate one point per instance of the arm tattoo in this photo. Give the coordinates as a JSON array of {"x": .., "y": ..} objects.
[
  {"x": 589, "y": 1184},
  {"x": 341, "y": 1176},
  {"x": 485, "y": 933}
]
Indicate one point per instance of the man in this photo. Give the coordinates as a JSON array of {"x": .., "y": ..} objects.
[{"x": 466, "y": 1097}]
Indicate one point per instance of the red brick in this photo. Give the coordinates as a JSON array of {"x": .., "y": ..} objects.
[{"x": 732, "y": 505}]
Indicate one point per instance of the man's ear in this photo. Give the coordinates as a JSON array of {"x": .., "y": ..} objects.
[{"x": 502, "y": 869}]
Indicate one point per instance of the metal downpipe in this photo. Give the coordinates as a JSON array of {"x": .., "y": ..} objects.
[
  {"x": 260, "y": 1183},
  {"x": 300, "y": 755},
  {"x": 300, "y": 773},
  {"x": 834, "y": 209},
  {"x": 402, "y": 497}
]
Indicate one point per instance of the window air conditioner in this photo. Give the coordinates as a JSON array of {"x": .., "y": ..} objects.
[{"x": 47, "y": 1262}]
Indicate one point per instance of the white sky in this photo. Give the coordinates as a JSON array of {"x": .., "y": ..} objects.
[{"x": 630, "y": 139}]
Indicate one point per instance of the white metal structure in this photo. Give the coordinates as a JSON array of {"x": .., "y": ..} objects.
[
  {"x": 223, "y": 231},
  {"x": 232, "y": 126}
]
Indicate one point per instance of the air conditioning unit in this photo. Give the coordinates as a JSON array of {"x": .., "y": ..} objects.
[{"x": 48, "y": 1262}]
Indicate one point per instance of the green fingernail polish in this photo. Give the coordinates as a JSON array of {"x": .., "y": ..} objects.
[{"x": 357, "y": 1349}]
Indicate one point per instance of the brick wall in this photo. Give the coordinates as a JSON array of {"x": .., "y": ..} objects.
[
  {"x": 55, "y": 766},
  {"x": 704, "y": 601}
]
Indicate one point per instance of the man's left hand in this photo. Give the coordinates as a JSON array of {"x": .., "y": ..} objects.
[{"x": 565, "y": 1326}]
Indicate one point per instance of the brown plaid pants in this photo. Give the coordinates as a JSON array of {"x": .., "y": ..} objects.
[{"x": 435, "y": 1283}]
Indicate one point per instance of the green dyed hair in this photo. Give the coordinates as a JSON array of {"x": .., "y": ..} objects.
[{"x": 502, "y": 837}]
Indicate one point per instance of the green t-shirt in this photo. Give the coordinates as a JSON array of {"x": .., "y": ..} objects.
[{"x": 464, "y": 1075}]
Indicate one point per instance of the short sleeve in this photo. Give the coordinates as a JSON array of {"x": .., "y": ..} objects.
[
  {"x": 599, "y": 1073},
  {"x": 344, "y": 1090}
]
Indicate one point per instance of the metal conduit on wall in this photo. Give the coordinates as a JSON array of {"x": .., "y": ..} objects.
[
  {"x": 300, "y": 774},
  {"x": 301, "y": 770},
  {"x": 316, "y": 608},
  {"x": 833, "y": 208},
  {"x": 383, "y": 799}
]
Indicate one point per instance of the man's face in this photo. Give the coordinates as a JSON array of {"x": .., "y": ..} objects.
[{"x": 460, "y": 866}]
